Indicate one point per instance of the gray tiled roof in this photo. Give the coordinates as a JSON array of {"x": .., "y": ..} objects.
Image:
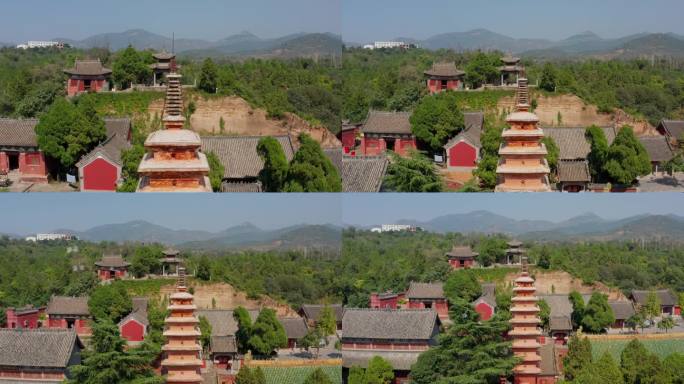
[
  {"x": 363, "y": 173},
  {"x": 666, "y": 296},
  {"x": 548, "y": 364},
  {"x": 461, "y": 252},
  {"x": 425, "y": 291},
  {"x": 572, "y": 142},
  {"x": 335, "y": 155},
  {"x": 573, "y": 170},
  {"x": 18, "y": 132},
  {"x": 139, "y": 312},
  {"x": 295, "y": 327},
  {"x": 560, "y": 323},
  {"x": 399, "y": 360},
  {"x": 658, "y": 148},
  {"x": 223, "y": 344},
  {"x": 65, "y": 305},
  {"x": 118, "y": 132},
  {"x": 389, "y": 324},
  {"x": 112, "y": 262},
  {"x": 622, "y": 310},
  {"x": 474, "y": 122},
  {"x": 559, "y": 304},
  {"x": 221, "y": 321},
  {"x": 313, "y": 311},
  {"x": 88, "y": 68},
  {"x": 444, "y": 70},
  {"x": 239, "y": 156},
  {"x": 387, "y": 122},
  {"x": 40, "y": 348},
  {"x": 674, "y": 127},
  {"x": 240, "y": 186}
]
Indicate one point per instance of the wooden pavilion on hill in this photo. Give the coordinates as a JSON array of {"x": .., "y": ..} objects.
[
  {"x": 511, "y": 70},
  {"x": 162, "y": 67},
  {"x": 87, "y": 76}
]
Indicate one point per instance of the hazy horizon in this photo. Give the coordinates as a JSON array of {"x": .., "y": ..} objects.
[
  {"x": 372, "y": 209},
  {"x": 37, "y": 212},
  {"x": 364, "y": 21},
  {"x": 200, "y": 19}
]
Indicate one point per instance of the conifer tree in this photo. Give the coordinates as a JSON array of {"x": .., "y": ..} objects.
[
  {"x": 317, "y": 376},
  {"x": 413, "y": 174},
  {"x": 274, "y": 173},
  {"x": 267, "y": 334},
  {"x": 598, "y": 315},
  {"x": 578, "y": 357},
  {"x": 311, "y": 170}
]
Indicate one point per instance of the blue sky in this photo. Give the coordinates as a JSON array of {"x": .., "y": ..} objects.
[
  {"x": 365, "y": 20},
  {"x": 374, "y": 209},
  {"x": 37, "y": 212},
  {"x": 205, "y": 19}
]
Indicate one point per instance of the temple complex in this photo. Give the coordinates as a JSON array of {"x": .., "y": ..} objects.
[
  {"x": 525, "y": 331},
  {"x": 444, "y": 77},
  {"x": 173, "y": 162},
  {"x": 181, "y": 354},
  {"x": 522, "y": 156}
]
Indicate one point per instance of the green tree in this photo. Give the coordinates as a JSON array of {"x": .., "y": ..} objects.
[
  {"x": 216, "y": 171},
  {"x": 274, "y": 173},
  {"x": 464, "y": 285},
  {"x": 379, "y": 371},
  {"x": 436, "y": 119},
  {"x": 553, "y": 153},
  {"x": 208, "y": 78},
  {"x": 67, "y": 132},
  {"x": 145, "y": 260},
  {"x": 577, "y": 302},
  {"x": 413, "y": 174},
  {"x": 312, "y": 340},
  {"x": 327, "y": 321},
  {"x": 604, "y": 371},
  {"x": 205, "y": 330},
  {"x": 317, "y": 376},
  {"x": 627, "y": 158},
  {"x": 666, "y": 323},
  {"x": 129, "y": 68},
  {"x": 311, "y": 170},
  {"x": 110, "y": 302},
  {"x": 486, "y": 167},
  {"x": 203, "y": 269},
  {"x": 640, "y": 366},
  {"x": 674, "y": 366},
  {"x": 247, "y": 375},
  {"x": 652, "y": 305},
  {"x": 267, "y": 334},
  {"x": 482, "y": 69},
  {"x": 244, "y": 331},
  {"x": 598, "y": 315},
  {"x": 356, "y": 375},
  {"x": 544, "y": 313},
  {"x": 578, "y": 357},
  {"x": 108, "y": 361},
  {"x": 491, "y": 249},
  {"x": 637, "y": 320},
  {"x": 548, "y": 79},
  {"x": 544, "y": 261},
  {"x": 469, "y": 351},
  {"x": 599, "y": 152},
  {"x": 131, "y": 158}
]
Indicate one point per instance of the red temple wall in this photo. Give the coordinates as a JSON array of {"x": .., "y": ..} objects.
[
  {"x": 348, "y": 138},
  {"x": 455, "y": 263},
  {"x": 104, "y": 274},
  {"x": 440, "y": 306},
  {"x": 132, "y": 331},
  {"x": 32, "y": 166},
  {"x": 376, "y": 302},
  {"x": 81, "y": 325},
  {"x": 99, "y": 175},
  {"x": 76, "y": 86},
  {"x": 435, "y": 86},
  {"x": 29, "y": 320},
  {"x": 7, "y": 373},
  {"x": 462, "y": 155},
  {"x": 485, "y": 311},
  {"x": 372, "y": 146}
]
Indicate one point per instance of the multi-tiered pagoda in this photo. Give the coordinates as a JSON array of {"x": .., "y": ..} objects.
[
  {"x": 173, "y": 162},
  {"x": 522, "y": 156},
  {"x": 181, "y": 363},
  {"x": 525, "y": 331}
]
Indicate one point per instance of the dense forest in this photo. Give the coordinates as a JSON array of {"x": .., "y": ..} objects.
[{"x": 393, "y": 80}]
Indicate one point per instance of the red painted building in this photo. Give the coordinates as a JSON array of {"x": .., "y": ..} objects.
[
  {"x": 69, "y": 313},
  {"x": 428, "y": 296},
  {"x": 389, "y": 300},
  {"x": 485, "y": 305},
  {"x": 463, "y": 150},
  {"x": 444, "y": 77},
  {"x": 133, "y": 327},
  {"x": 390, "y": 334},
  {"x": 387, "y": 131},
  {"x": 112, "y": 267},
  {"x": 348, "y": 136},
  {"x": 461, "y": 257},
  {"x": 19, "y": 152},
  {"x": 100, "y": 170},
  {"x": 87, "y": 76},
  {"x": 28, "y": 317},
  {"x": 669, "y": 303},
  {"x": 38, "y": 355}
]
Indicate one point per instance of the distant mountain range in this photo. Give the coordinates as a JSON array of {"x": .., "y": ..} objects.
[
  {"x": 587, "y": 226},
  {"x": 583, "y": 44},
  {"x": 242, "y": 44},
  {"x": 242, "y": 236}
]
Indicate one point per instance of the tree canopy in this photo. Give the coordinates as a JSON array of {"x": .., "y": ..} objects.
[
  {"x": 436, "y": 119},
  {"x": 131, "y": 67},
  {"x": 274, "y": 173},
  {"x": 413, "y": 174},
  {"x": 311, "y": 170},
  {"x": 267, "y": 334},
  {"x": 208, "y": 78}
]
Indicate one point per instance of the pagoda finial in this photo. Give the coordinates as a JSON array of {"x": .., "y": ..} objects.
[
  {"x": 180, "y": 284},
  {"x": 523, "y": 93}
]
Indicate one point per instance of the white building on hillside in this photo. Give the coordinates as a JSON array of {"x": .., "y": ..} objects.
[
  {"x": 41, "y": 44},
  {"x": 387, "y": 44}
]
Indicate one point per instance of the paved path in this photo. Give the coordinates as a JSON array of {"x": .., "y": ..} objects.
[{"x": 661, "y": 182}]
